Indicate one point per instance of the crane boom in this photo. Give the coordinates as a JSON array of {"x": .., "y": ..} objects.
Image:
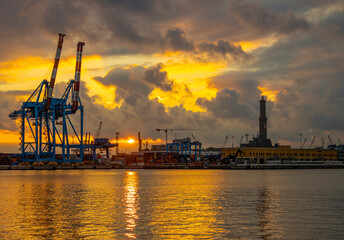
[
  {"x": 329, "y": 138},
  {"x": 224, "y": 144},
  {"x": 312, "y": 142},
  {"x": 99, "y": 129},
  {"x": 53, "y": 74},
  {"x": 304, "y": 142},
  {"x": 75, "y": 94}
]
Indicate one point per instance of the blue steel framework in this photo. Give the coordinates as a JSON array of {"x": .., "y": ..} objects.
[
  {"x": 185, "y": 148},
  {"x": 44, "y": 136}
]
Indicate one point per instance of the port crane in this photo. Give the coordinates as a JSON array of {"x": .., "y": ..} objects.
[
  {"x": 330, "y": 140},
  {"x": 45, "y": 121},
  {"x": 331, "y": 146},
  {"x": 224, "y": 144},
  {"x": 241, "y": 139},
  {"x": 310, "y": 146},
  {"x": 166, "y": 130},
  {"x": 99, "y": 129},
  {"x": 303, "y": 144},
  {"x": 231, "y": 158}
]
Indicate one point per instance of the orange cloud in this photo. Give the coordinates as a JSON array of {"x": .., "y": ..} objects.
[
  {"x": 270, "y": 94},
  {"x": 249, "y": 46},
  {"x": 192, "y": 81}
]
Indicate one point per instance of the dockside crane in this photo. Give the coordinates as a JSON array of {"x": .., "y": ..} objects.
[
  {"x": 330, "y": 140},
  {"x": 310, "y": 146},
  {"x": 166, "y": 130},
  {"x": 53, "y": 74},
  {"x": 99, "y": 129},
  {"x": 75, "y": 93},
  {"x": 224, "y": 143},
  {"x": 45, "y": 120},
  {"x": 331, "y": 146},
  {"x": 303, "y": 144}
]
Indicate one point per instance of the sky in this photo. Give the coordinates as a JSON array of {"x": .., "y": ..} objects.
[{"x": 175, "y": 64}]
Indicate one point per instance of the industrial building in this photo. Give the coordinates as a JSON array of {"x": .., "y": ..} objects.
[
  {"x": 281, "y": 153},
  {"x": 260, "y": 150}
]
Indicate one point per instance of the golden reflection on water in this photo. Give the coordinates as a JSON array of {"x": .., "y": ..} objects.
[
  {"x": 130, "y": 200},
  {"x": 184, "y": 206},
  {"x": 264, "y": 212},
  {"x": 171, "y": 204}
]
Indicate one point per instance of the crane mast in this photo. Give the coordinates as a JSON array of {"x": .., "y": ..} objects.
[
  {"x": 75, "y": 94},
  {"x": 42, "y": 114},
  {"x": 99, "y": 129},
  {"x": 304, "y": 142},
  {"x": 53, "y": 74},
  {"x": 310, "y": 146},
  {"x": 330, "y": 140},
  {"x": 224, "y": 144}
]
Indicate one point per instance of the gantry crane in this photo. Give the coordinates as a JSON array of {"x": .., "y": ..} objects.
[
  {"x": 330, "y": 140},
  {"x": 224, "y": 144},
  {"x": 303, "y": 144},
  {"x": 310, "y": 146},
  {"x": 99, "y": 129},
  {"x": 39, "y": 115},
  {"x": 173, "y": 129},
  {"x": 331, "y": 146}
]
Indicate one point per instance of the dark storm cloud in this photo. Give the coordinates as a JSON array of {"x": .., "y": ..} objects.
[
  {"x": 297, "y": 6},
  {"x": 144, "y": 116},
  {"x": 136, "y": 83},
  {"x": 256, "y": 18},
  {"x": 176, "y": 38},
  {"x": 9, "y": 103},
  {"x": 224, "y": 49},
  {"x": 129, "y": 84},
  {"x": 148, "y": 114},
  {"x": 305, "y": 63},
  {"x": 227, "y": 105},
  {"x": 307, "y": 70},
  {"x": 157, "y": 77},
  {"x": 128, "y": 27}
]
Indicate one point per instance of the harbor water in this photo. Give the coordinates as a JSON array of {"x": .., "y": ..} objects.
[{"x": 172, "y": 204}]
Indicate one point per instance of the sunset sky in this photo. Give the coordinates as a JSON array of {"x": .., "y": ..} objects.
[{"x": 204, "y": 65}]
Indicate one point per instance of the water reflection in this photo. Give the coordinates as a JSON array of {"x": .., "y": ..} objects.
[
  {"x": 171, "y": 204},
  {"x": 264, "y": 212},
  {"x": 130, "y": 200}
]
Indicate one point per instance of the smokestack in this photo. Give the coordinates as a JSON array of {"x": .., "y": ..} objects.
[
  {"x": 53, "y": 74},
  {"x": 140, "y": 142},
  {"x": 263, "y": 119},
  {"x": 117, "y": 134},
  {"x": 75, "y": 95}
]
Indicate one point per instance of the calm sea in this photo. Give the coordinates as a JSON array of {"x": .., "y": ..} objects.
[{"x": 172, "y": 204}]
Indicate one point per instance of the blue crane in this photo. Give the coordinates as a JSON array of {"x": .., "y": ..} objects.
[{"x": 46, "y": 121}]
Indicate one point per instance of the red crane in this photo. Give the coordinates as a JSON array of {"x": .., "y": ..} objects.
[
  {"x": 75, "y": 94},
  {"x": 53, "y": 74}
]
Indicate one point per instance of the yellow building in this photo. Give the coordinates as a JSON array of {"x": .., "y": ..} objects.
[{"x": 263, "y": 155}]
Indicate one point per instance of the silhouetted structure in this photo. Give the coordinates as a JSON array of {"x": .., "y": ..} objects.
[{"x": 262, "y": 140}]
